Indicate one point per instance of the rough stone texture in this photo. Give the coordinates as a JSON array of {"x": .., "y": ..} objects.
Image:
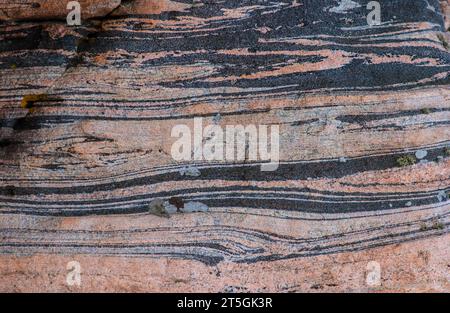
[
  {"x": 419, "y": 266},
  {"x": 52, "y": 9},
  {"x": 85, "y": 120}
]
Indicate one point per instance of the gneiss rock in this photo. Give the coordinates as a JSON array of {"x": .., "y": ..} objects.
[{"x": 117, "y": 88}]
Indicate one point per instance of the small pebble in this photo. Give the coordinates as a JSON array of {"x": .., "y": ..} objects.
[
  {"x": 342, "y": 159},
  {"x": 190, "y": 171},
  {"x": 169, "y": 208},
  {"x": 409, "y": 203},
  {"x": 420, "y": 154},
  {"x": 191, "y": 207},
  {"x": 157, "y": 208}
]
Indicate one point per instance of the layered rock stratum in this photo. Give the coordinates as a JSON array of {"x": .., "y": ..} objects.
[{"x": 86, "y": 114}]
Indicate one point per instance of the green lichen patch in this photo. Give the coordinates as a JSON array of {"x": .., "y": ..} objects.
[
  {"x": 423, "y": 227},
  {"x": 447, "y": 151},
  {"x": 438, "y": 225},
  {"x": 406, "y": 160},
  {"x": 435, "y": 225}
]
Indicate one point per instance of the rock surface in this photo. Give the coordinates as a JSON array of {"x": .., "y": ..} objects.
[
  {"x": 86, "y": 115},
  {"x": 53, "y": 9}
]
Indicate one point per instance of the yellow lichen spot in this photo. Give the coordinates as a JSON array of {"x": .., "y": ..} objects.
[
  {"x": 29, "y": 100},
  {"x": 13, "y": 66}
]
